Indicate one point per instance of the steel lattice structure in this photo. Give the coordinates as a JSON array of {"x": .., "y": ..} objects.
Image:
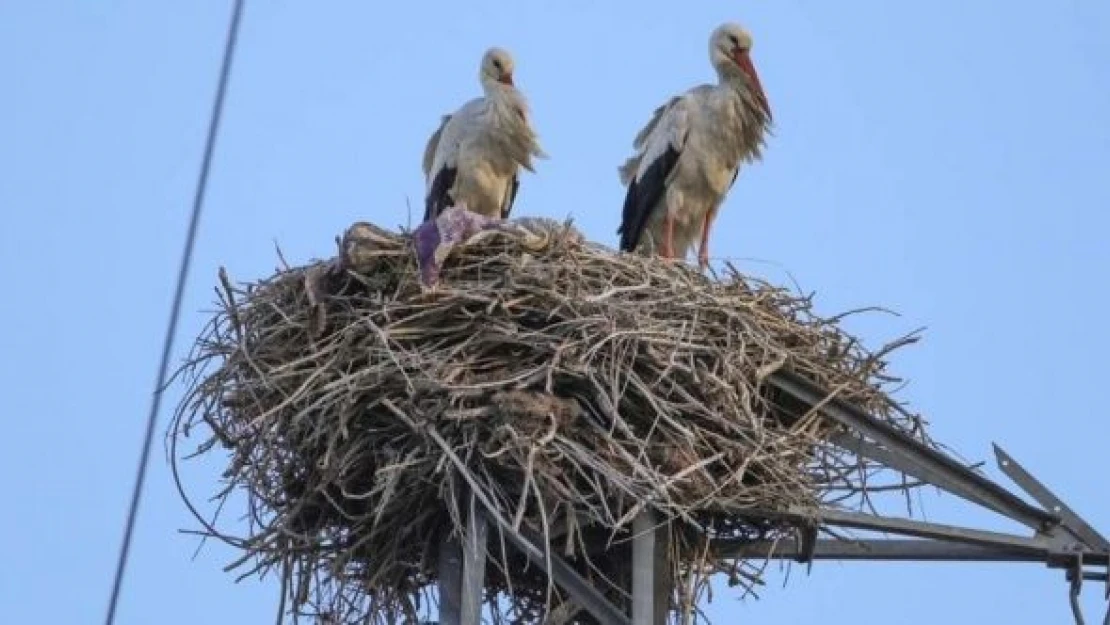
[{"x": 1060, "y": 538}]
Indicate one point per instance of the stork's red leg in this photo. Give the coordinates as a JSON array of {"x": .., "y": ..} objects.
[
  {"x": 703, "y": 248},
  {"x": 668, "y": 235}
]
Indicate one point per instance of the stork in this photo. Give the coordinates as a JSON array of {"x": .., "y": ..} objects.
[
  {"x": 688, "y": 155},
  {"x": 474, "y": 157}
]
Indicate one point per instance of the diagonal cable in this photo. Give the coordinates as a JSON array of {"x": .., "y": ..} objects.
[{"x": 175, "y": 313}]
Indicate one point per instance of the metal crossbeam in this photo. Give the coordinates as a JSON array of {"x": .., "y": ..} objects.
[
  {"x": 904, "y": 453},
  {"x": 897, "y": 550},
  {"x": 924, "y": 529},
  {"x": 936, "y": 542},
  {"x": 582, "y": 591},
  {"x": 940, "y": 543}
]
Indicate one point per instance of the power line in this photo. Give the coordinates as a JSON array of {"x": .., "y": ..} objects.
[{"x": 175, "y": 312}]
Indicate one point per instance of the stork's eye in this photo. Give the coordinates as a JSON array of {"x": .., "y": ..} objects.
[
  {"x": 497, "y": 64},
  {"x": 735, "y": 42}
]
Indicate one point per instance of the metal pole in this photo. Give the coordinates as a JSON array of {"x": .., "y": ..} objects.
[
  {"x": 462, "y": 571},
  {"x": 474, "y": 564},
  {"x": 450, "y": 581},
  {"x": 650, "y": 592}
]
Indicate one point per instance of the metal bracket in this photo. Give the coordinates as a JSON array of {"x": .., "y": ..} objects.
[
  {"x": 1071, "y": 521},
  {"x": 902, "y": 452},
  {"x": 1062, "y": 539}
]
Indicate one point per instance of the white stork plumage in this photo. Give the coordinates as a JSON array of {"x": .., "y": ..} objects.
[
  {"x": 688, "y": 155},
  {"x": 474, "y": 157}
]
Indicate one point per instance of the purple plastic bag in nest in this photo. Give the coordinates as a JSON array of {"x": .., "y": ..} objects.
[{"x": 434, "y": 239}]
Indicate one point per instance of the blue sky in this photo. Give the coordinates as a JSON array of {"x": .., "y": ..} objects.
[{"x": 948, "y": 160}]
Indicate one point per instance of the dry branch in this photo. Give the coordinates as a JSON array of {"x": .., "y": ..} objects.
[{"x": 568, "y": 383}]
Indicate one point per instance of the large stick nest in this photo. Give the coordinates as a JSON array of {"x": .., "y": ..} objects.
[{"x": 567, "y": 385}]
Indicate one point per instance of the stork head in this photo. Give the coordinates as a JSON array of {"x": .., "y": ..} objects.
[
  {"x": 730, "y": 48},
  {"x": 497, "y": 67}
]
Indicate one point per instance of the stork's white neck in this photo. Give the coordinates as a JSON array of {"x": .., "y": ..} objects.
[
  {"x": 730, "y": 76},
  {"x": 506, "y": 101},
  {"x": 739, "y": 122},
  {"x": 496, "y": 90}
]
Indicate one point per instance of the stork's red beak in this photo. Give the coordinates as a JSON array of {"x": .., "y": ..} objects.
[
  {"x": 506, "y": 79},
  {"x": 743, "y": 58}
]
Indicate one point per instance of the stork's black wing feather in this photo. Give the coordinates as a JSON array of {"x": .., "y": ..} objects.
[
  {"x": 439, "y": 196},
  {"x": 642, "y": 197},
  {"x": 508, "y": 207}
]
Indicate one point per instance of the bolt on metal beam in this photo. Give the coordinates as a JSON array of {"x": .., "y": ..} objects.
[{"x": 1042, "y": 495}]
